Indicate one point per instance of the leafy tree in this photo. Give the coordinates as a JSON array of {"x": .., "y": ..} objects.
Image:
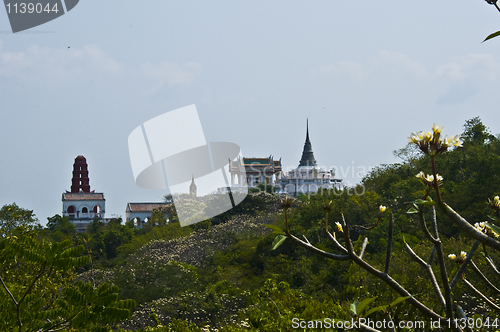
[
  {"x": 12, "y": 217},
  {"x": 60, "y": 224},
  {"x": 475, "y": 132},
  {"x": 105, "y": 239},
  {"x": 409, "y": 154},
  {"x": 36, "y": 292},
  {"x": 158, "y": 215},
  {"x": 95, "y": 226},
  {"x": 131, "y": 224}
]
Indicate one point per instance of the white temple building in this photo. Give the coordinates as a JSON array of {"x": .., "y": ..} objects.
[
  {"x": 81, "y": 205},
  {"x": 307, "y": 177},
  {"x": 140, "y": 213},
  {"x": 250, "y": 172}
]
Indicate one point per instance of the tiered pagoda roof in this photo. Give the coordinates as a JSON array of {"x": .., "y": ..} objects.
[{"x": 307, "y": 154}]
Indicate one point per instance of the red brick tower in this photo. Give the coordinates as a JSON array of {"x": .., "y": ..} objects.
[{"x": 80, "y": 181}]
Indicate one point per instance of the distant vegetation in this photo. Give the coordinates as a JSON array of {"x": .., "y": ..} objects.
[{"x": 222, "y": 274}]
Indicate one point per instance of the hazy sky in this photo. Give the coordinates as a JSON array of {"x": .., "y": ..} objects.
[{"x": 366, "y": 74}]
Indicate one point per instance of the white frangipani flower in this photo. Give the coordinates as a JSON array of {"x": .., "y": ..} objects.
[
  {"x": 457, "y": 141},
  {"x": 449, "y": 141},
  {"x": 414, "y": 138},
  {"x": 436, "y": 128},
  {"x": 460, "y": 259},
  {"x": 431, "y": 142},
  {"x": 480, "y": 226}
]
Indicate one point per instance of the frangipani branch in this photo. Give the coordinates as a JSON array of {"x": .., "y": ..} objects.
[
  {"x": 485, "y": 298},
  {"x": 468, "y": 228},
  {"x": 430, "y": 272},
  {"x": 483, "y": 277},
  {"x": 462, "y": 268}
]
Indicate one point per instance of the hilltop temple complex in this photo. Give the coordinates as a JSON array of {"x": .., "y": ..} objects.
[
  {"x": 82, "y": 206},
  {"x": 307, "y": 177}
]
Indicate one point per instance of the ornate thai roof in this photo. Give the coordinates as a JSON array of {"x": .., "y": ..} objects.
[
  {"x": 269, "y": 165},
  {"x": 307, "y": 154},
  {"x": 256, "y": 161}
]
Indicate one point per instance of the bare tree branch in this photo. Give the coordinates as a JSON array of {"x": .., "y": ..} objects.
[
  {"x": 462, "y": 268},
  {"x": 315, "y": 250},
  {"x": 363, "y": 248},
  {"x": 388, "y": 279},
  {"x": 428, "y": 268},
  {"x": 389, "y": 244},
  {"x": 468, "y": 228},
  {"x": 492, "y": 265},
  {"x": 483, "y": 277},
  {"x": 337, "y": 244},
  {"x": 485, "y": 299}
]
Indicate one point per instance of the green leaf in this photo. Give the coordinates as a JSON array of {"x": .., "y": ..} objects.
[
  {"x": 493, "y": 35},
  {"x": 363, "y": 304},
  {"x": 275, "y": 228},
  {"x": 372, "y": 310},
  {"x": 493, "y": 218},
  {"x": 400, "y": 299},
  {"x": 278, "y": 240},
  {"x": 412, "y": 210},
  {"x": 354, "y": 307},
  {"x": 494, "y": 228},
  {"x": 427, "y": 201}
]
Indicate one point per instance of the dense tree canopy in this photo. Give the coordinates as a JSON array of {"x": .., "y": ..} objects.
[{"x": 12, "y": 217}]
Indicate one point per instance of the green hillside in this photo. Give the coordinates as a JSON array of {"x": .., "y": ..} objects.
[{"x": 223, "y": 274}]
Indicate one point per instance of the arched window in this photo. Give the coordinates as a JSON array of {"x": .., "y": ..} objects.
[
  {"x": 97, "y": 210},
  {"x": 85, "y": 210},
  {"x": 71, "y": 211}
]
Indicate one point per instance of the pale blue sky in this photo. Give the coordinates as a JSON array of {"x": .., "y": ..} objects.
[{"x": 365, "y": 74}]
